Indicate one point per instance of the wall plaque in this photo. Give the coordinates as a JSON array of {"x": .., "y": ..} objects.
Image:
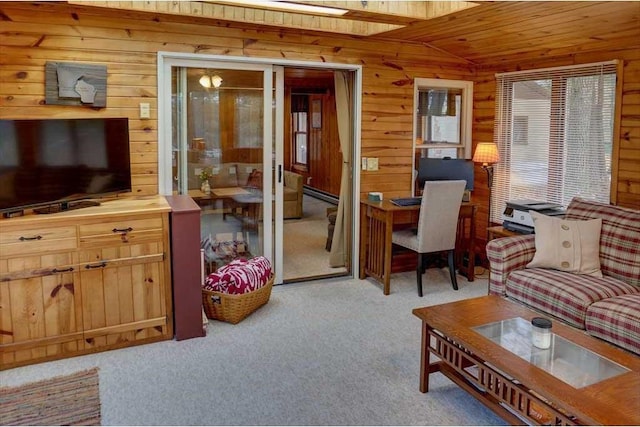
[{"x": 68, "y": 83}]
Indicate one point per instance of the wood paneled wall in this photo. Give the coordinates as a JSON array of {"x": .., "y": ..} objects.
[{"x": 128, "y": 42}]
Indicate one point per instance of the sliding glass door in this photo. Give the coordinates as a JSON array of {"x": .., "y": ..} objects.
[
  {"x": 221, "y": 128},
  {"x": 223, "y": 155}
]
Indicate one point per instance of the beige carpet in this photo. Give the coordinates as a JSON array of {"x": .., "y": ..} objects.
[
  {"x": 65, "y": 400},
  {"x": 304, "y": 243}
]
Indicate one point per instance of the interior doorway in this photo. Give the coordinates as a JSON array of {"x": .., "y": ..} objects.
[
  {"x": 312, "y": 151},
  {"x": 246, "y": 124}
]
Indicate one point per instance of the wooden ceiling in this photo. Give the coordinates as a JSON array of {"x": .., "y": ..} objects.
[{"x": 479, "y": 32}]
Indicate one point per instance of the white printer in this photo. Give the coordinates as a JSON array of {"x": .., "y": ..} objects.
[{"x": 516, "y": 216}]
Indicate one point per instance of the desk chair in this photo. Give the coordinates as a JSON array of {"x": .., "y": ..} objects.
[{"x": 437, "y": 225}]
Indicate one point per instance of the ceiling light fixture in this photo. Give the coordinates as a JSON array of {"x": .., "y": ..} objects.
[
  {"x": 286, "y": 7},
  {"x": 208, "y": 81},
  {"x": 205, "y": 81}
]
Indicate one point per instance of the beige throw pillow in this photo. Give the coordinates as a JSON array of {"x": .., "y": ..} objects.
[{"x": 571, "y": 246}]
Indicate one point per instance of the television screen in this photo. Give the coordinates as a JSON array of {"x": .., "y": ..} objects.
[
  {"x": 47, "y": 161},
  {"x": 445, "y": 169}
]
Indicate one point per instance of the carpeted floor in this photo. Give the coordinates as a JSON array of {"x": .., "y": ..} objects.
[
  {"x": 332, "y": 352},
  {"x": 304, "y": 243},
  {"x": 66, "y": 400}
]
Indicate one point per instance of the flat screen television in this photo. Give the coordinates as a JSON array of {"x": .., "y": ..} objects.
[
  {"x": 52, "y": 162},
  {"x": 445, "y": 169}
]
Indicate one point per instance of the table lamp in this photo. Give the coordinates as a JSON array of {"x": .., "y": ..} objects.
[{"x": 487, "y": 154}]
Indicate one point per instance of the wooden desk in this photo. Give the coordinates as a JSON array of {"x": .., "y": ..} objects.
[
  {"x": 377, "y": 220},
  {"x": 500, "y": 231}
]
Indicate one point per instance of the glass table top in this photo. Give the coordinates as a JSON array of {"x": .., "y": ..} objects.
[{"x": 569, "y": 362}]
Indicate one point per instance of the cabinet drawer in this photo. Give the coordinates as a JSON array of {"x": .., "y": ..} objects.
[
  {"x": 27, "y": 266},
  {"x": 37, "y": 240},
  {"x": 124, "y": 231}
]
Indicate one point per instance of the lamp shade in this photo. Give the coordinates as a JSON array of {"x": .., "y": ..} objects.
[
  {"x": 486, "y": 153},
  {"x": 205, "y": 81},
  {"x": 216, "y": 80}
]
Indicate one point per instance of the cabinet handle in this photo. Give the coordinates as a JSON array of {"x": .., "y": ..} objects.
[
  {"x": 23, "y": 239},
  {"x": 63, "y": 270},
  {"x": 101, "y": 265},
  {"x": 122, "y": 230}
]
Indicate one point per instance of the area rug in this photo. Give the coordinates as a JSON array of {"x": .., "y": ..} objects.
[{"x": 66, "y": 400}]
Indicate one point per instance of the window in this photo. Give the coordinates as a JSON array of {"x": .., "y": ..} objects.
[
  {"x": 520, "y": 130},
  {"x": 300, "y": 137},
  {"x": 299, "y": 128},
  {"x": 554, "y": 129},
  {"x": 442, "y": 118}
]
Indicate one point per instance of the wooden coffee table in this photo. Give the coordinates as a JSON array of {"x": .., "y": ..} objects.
[{"x": 476, "y": 341}]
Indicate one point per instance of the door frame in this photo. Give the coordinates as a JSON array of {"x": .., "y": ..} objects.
[{"x": 166, "y": 60}]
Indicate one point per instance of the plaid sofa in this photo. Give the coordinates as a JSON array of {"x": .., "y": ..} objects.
[{"x": 607, "y": 307}]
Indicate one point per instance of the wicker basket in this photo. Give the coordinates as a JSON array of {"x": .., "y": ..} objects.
[{"x": 233, "y": 308}]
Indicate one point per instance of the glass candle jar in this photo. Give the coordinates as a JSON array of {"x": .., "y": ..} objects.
[{"x": 541, "y": 332}]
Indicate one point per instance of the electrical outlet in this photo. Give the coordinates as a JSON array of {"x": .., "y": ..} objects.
[{"x": 372, "y": 164}]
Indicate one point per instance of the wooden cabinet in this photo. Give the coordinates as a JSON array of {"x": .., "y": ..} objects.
[{"x": 83, "y": 281}]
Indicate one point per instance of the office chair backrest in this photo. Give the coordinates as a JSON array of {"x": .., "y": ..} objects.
[{"x": 439, "y": 212}]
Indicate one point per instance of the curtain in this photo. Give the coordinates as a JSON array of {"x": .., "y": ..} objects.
[{"x": 339, "y": 247}]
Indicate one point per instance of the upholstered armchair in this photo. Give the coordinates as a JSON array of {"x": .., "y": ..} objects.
[{"x": 293, "y": 183}]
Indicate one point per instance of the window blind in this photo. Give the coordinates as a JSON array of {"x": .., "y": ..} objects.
[{"x": 554, "y": 131}]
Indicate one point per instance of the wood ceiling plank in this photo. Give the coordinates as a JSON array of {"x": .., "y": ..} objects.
[
  {"x": 570, "y": 35},
  {"x": 484, "y": 17},
  {"x": 569, "y": 45},
  {"x": 562, "y": 45},
  {"x": 600, "y": 18}
]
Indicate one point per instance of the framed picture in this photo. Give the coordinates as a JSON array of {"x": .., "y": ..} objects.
[{"x": 316, "y": 114}]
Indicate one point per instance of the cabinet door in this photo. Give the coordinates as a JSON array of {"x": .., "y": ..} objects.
[
  {"x": 40, "y": 313},
  {"x": 125, "y": 299}
]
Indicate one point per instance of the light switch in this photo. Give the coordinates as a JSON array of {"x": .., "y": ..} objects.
[
  {"x": 364, "y": 163},
  {"x": 145, "y": 111}
]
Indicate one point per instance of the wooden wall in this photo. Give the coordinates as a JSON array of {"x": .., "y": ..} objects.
[{"x": 128, "y": 42}]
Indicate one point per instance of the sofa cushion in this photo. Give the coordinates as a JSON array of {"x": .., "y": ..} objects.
[
  {"x": 619, "y": 238},
  {"x": 616, "y": 320},
  {"x": 224, "y": 175},
  {"x": 563, "y": 295},
  {"x": 255, "y": 179},
  {"x": 571, "y": 246},
  {"x": 244, "y": 171}
]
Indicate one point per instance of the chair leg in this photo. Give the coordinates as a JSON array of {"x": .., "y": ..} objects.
[
  {"x": 452, "y": 271},
  {"x": 419, "y": 272}
]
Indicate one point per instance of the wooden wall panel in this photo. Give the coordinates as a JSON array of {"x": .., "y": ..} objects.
[{"x": 127, "y": 43}]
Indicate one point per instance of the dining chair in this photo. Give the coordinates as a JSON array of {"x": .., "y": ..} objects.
[{"x": 437, "y": 225}]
